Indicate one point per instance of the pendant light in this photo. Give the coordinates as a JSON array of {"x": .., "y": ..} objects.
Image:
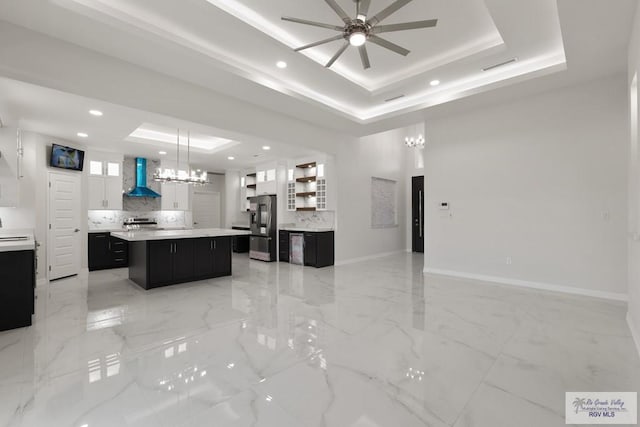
[{"x": 186, "y": 177}]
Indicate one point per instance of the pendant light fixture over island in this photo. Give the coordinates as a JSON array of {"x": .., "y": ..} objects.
[{"x": 188, "y": 176}]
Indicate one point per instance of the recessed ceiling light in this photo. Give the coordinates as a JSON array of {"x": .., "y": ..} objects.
[
  {"x": 434, "y": 82},
  {"x": 162, "y": 153},
  {"x": 231, "y": 158},
  {"x": 266, "y": 147},
  {"x": 281, "y": 64},
  {"x": 96, "y": 113},
  {"x": 83, "y": 135}
]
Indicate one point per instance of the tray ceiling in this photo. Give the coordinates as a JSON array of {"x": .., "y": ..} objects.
[{"x": 196, "y": 39}]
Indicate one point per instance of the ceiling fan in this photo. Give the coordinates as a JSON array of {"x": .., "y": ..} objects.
[{"x": 357, "y": 31}]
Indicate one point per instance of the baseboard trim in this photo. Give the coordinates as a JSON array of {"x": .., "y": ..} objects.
[
  {"x": 369, "y": 257},
  {"x": 529, "y": 284},
  {"x": 634, "y": 332}
]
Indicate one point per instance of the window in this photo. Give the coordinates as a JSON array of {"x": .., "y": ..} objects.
[
  {"x": 320, "y": 171},
  {"x": 261, "y": 176},
  {"x": 271, "y": 175},
  {"x": 113, "y": 169},
  {"x": 95, "y": 168}
]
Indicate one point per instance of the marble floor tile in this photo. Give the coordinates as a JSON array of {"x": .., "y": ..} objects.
[{"x": 371, "y": 344}]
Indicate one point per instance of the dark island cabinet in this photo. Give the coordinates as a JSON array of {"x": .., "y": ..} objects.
[
  {"x": 319, "y": 247},
  {"x": 106, "y": 251},
  {"x": 17, "y": 290},
  {"x": 213, "y": 257},
  {"x": 171, "y": 261},
  {"x": 158, "y": 263},
  {"x": 183, "y": 260}
]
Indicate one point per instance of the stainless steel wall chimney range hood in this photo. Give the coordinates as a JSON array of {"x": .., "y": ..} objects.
[{"x": 141, "y": 189}]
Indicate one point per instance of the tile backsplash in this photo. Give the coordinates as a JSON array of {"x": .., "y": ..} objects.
[
  {"x": 319, "y": 219},
  {"x": 104, "y": 220}
]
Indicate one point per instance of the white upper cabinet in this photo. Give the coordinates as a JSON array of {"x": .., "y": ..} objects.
[
  {"x": 175, "y": 196},
  {"x": 267, "y": 179},
  {"x": 105, "y": 182}
]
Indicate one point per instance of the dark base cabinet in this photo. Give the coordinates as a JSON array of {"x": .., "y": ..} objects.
[
  {"x": 319, "y": 248},
  {"x": 17, "y": 289},
  {"x": 240, "y": 243},
  {"x": 106, "y": 251},
  {"x": 283, "y": 240},
  {"x": 157, "y": 263}
]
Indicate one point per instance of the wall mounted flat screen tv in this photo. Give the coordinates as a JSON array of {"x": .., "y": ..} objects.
[{"x": 66, "y": 158}]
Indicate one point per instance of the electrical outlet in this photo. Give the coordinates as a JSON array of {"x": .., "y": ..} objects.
[{"x": 508, "y": 260}]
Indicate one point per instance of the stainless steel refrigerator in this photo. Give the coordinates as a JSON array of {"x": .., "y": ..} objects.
[{"x": 263, "y": 223}]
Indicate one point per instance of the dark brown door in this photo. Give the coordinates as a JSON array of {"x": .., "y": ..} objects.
[{"x": 417, "y": 213}]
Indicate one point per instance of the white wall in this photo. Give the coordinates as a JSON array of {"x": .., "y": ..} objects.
[
  {"x": 540, "y": 180},
  {"x": 634, "y": 188},
  {"x": 384, "y": 156}
]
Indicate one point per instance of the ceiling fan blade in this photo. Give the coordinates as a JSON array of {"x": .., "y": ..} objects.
[
  {"x": 391, "y": 9},
  {"x": 315, "y": 24},
  {"x": 387, "y": 44},
  {"x": 340, "y": 11},
  {"x": 404, "y": 26},
  {"x": 337, "y": 55},
  {"x": 364, "y": 57},
  {"x": 331, "y": 39},
  {"x": 363, "y": 7}
]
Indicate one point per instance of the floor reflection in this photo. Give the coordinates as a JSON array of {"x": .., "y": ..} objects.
[{"x": 372, "y": 343}]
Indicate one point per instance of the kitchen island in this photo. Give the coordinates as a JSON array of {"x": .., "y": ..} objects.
[{"x": 168, "y": 257}]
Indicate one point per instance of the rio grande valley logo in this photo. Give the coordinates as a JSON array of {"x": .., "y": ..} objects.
[{"x": 601, "y": 408}]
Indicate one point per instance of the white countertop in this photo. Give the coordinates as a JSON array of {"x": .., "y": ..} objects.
[
  {"x": 106, "y": 230},
  {"x": 20, "y": 245},
  {"x": 142, "y": 235},
  {"x": 305, "y": 229}
]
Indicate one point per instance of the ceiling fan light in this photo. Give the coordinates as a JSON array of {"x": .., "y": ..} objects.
[{"x": 357, "y": 38}]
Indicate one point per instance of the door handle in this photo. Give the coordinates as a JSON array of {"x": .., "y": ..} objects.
[
  {"x": 420, "y": 212},
  {"x": 77, "y": 230}
]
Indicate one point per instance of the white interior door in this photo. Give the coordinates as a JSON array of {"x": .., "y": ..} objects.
[
  {"x": 206, "y": 210},
  {"x": 64, "y": 225}
]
